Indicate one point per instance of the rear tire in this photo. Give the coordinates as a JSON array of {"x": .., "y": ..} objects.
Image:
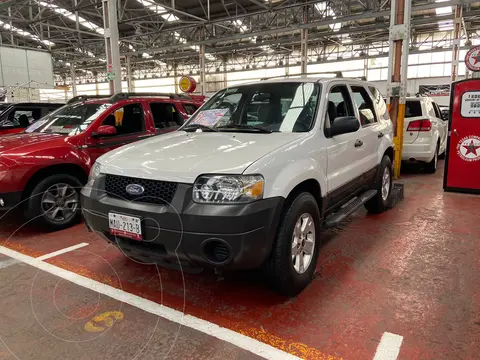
[
  {"x": 431, "y": 167},
  {"x": 293, "y": 259},
  {"x": 54, "y": 202},
  {"x": 383, "y": 185}
]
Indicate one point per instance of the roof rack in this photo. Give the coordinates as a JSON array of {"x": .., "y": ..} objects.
[
  {"x": 337, "y": 74},
  {"x": 122, "y": 96},
  {"x": 85, "y": 98}
]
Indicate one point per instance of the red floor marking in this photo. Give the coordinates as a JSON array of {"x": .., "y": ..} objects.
[{"x": 408, "y": 271}]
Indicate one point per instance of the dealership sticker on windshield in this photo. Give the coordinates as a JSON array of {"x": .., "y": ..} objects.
[{"x": 209, "y": 117}]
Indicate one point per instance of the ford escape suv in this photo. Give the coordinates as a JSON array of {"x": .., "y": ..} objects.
[{"x": 248, "y": 181}]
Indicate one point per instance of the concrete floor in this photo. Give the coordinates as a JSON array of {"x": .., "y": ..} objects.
[{"x": 412, "y": 271}]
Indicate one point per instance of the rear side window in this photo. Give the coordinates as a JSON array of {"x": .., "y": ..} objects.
[
  {"x": 364, "y": 105},
  {"x": 438, "y": 114},
  {"x": 165, "y": 115},
  {"x": 413, "y": 109},
  {"x": 189, "y": 108},
  {"x": 379, "y": 103}
]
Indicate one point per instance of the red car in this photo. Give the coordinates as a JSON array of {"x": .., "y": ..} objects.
[
  {"x": 44, "y": 168},
  {"x": 15, "y": 118}
]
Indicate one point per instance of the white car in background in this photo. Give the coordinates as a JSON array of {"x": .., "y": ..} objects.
[{"x": 425, "y": 132}]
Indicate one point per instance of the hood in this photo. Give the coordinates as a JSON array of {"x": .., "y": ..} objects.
[
  {"x": 21, "y": 144},
  {"x": 182, "y": 156}
]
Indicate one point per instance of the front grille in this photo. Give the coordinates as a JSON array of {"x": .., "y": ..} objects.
[{"x": 156, "y": 192}]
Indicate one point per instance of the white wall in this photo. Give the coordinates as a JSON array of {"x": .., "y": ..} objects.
[{"x": 413, "y": 84}]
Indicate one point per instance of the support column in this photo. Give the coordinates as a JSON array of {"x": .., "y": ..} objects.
[
  {"x": 397, "y": 72},
  {"x": 114, "y": 69},
  {"x": 130, "y": 84},
  {"x": 225, "y": 76},
  {"x": 203, "y": 82},
  {"x": 11, "y": 25},
  {"x": 74, "y": 79},
  {"x": 457, "y": 23},
  {"x": 175, "y": 77},
  {"x": 304, "y": 46}
]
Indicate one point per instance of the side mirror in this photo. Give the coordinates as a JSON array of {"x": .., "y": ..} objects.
[
  {"x": 344, "y": 125},
  {"x": 105, "y": 130}
]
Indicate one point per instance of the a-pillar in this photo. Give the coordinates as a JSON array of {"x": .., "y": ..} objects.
[
  {"x": 456, "y": 41},
  {"x": 110, "y": 21},
  {"x": 399, "y": 39},
  {"x": 203, "y": 82},
  {"x": 74, "y": 79}
]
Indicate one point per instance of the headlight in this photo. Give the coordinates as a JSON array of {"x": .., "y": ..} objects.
[
  {"x": 228, "y": 189},
  {"x": 94, "y": 173}
]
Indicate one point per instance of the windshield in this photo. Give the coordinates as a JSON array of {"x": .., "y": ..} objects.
[
  {"x": 268, "y": 107},
  {"x": 69, "y": 119}
]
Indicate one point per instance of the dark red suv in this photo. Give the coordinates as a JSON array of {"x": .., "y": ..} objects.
[{"x": 44, "y": 168}]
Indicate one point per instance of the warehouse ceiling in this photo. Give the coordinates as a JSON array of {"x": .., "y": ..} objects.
[{"x": 166, "y": 32}]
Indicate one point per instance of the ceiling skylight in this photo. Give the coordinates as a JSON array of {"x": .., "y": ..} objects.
[
  {"x": 64, "y": 12},
  {"x": 328, "y": 11},
  {"x": 153, "y": 6},
  {"x": 25, "y": 34}
]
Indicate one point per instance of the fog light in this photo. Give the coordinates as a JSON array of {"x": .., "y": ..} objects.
[{"x": 2, "y": 203}]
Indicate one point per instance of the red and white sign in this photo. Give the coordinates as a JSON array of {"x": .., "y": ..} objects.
[
  {"x": 468, "y": 148},
  {"x": 462, "y": 164},
  {"x": 472, "y": 59}
]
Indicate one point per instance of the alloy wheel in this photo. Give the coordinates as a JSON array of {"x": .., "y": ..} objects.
[
  {"x": 303, "y": 243},
  {"x": 59, "y": 202}
]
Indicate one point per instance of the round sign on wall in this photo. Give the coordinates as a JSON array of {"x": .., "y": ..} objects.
[
  {"x": 187, "y": 84},
  {"x": 468, "y": 148},
  {"x": 472, "y": 59}
]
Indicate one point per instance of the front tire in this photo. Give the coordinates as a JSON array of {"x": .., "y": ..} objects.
[
  {"x": 293, "y": 260},
  {"x": 383, "y": 185},
  {"x": 54, "y": 202}
]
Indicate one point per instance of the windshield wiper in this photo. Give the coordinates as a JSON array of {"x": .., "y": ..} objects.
[
  {"x": 246, "y": 126},
  {"x": 199, "y": 126}
]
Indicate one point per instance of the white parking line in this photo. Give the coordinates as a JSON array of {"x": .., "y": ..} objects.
[
  {"x": 61, "y": 251},
  {"x": 6, "y": 263},
  {"x": 389, "y": 347},
  {"x": 206, "y": 327}
]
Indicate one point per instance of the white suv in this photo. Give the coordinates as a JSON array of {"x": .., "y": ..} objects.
[
  {"x": 249, "y": 180},
  {"x": 425, "y": 132}
]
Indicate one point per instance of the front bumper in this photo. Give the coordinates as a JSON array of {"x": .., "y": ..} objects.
[
  {"x": 185, "y": 234},
  {"x": 10, "y": 200}
]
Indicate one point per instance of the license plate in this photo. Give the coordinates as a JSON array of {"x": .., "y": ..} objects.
[{"x": 125, "y": 226}]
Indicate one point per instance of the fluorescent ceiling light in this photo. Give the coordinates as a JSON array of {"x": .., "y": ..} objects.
[
  {"x": 71, "y": 16},
  {"x": 443, "y": 10},
  {"x": 445, "y": 25},
  {"x": 25, "y": 34},
  {"x": 240, "y": 25},
  {"x": 346, "y": 41},
  {"x": 153, "y": 6}
]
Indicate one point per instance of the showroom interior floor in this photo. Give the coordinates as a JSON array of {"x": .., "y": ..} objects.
[{"x": 410, "y": 275}]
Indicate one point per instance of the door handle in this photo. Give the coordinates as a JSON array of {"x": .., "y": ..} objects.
[
  {"x": 358, "y": 143},
  {"x": 455, "y": 132},
  {"x": 381, "y": 134}
]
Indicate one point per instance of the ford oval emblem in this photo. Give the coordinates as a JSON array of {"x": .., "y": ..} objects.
[{"x": 135, "y": 189}]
